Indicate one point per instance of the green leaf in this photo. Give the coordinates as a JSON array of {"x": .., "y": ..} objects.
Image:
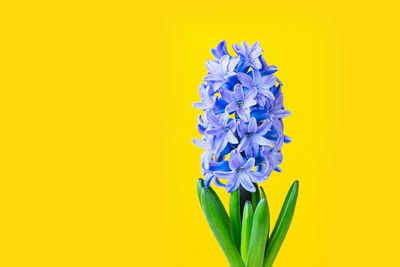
[
  {"x": 234, "y": 212},
  {"x": 218, "y": 226},
  {"x": 282, "y": 225},
  {"x": 255, "y": 196},
  {"x": 221, "y": 207},
  {"x": 200, "y": 185},
  {"x": 258, "y": 239},
  {"x": 247, "y": 223},
  {"x": 263, "y": 193},
  {"x": 264, "y": 196}
]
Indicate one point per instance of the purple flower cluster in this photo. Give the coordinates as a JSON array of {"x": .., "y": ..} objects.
[{"x": 242, "y": 121}]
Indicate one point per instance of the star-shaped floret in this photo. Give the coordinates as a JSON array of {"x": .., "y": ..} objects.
[
  {"x": 220, "y": 72},
  {"x": 224, "y": 129},
  {"x": 220, "y": 50},
  {"x": 239, "y": 101},
  {"x": 250, "y": 54},
  {"x": 261, "y": 83},
  {"x": 252, "y": 137},
  {"x": 207, "y": 143},
  {"x": 241, "y": 173},
  {"x": 207, "y": 98}
]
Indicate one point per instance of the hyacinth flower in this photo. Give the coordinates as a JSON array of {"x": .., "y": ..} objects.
[
  {"x": 252, "y": 137},
  {"x": 261, "y": 84},
  {"x": 220, "y": 71},
  {"x": 242, "y": 136},
  {"x": 239, "y": 101}
]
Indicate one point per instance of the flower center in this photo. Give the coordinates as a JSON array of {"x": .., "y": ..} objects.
[
  {"x": 248, "y": 134},
  {"x": 239, "y": 169},
  {"x": 227, "y": 128},
  {"x": 239, "y": 103}
]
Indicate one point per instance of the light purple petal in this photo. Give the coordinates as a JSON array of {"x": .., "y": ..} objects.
[
  {"x": 212, "y": 66},
  {"x": 278, "y": 125},
  {"x": 215, "y": 131},
  {"x": 249, "y": 164},
  {"x": 224, "y": 175},
  {"x": 237, "y": 48},
  {"x": 217, "y": 85},
  {"x": 235, "y": 160},
  {"x": 231, "y": 138},
  {"x": 276, "y": 158},
  {"x": 262, "y": 141},
  {"x": 258, "y": 177},
  {"x": 224, "y": 63},
  {"x": 261, "y": 100},
  {"x": 221, "y": 145},
  {"x": 248, "y": 151},
  {"x": 213, "y": 77},
  {"x": 252, "y": 127},
  {"x": 231, "y": 107},
  {"x": 279, "y": 143},
  {"x": 281, "y": 113},
  {"x": 201, "y": 90},
  {"x": 263, "y": 63},
  {"x": 200, "y": 119},
  {"x": 222, "y": 46},
  {"x": 233, "y": 63},
  {"x": 239, "y": 94},
  {"x": 199, "y": 105},
  {"x": 256, "y": 53},
  {"x": 223, "y": 119},
  {"x": 246, "y": 47},
  {"x": 244, "y": 114},
  {"x": 201, "y": 143},
  {"x": 249, "y": 103},
  {"x": 246, "y": 182},
  {"x": 243, "y": 144},
  {"x": 232, "y": 184},
  {"x": 256, "y": 46},
  {"x": 218, "y": 183},
  {"x": 256, "y": 77},
  {"x": 209, "y": 90},
  {"x": 268, "y": 81},
  {"x": 232, "y": 125},
  {"x": 242, "y": 128},
  {"x": 265, "y": 127},
  {"x": 256, "y": 65},
  {"x": 267, "y": 93},
  {"x": 251, "y": 93},
  {"x": 279, "y": 101},
  {"x": 254, "y": 149},
  {"x": 227, "y": 95},
  {"x": 206, "y": 158},
  {"x": 212, "y": 119},
  {"x": 245, "y": 79}
]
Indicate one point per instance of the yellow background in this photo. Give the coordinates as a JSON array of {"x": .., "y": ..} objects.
[{"x": 97, "y": 167}]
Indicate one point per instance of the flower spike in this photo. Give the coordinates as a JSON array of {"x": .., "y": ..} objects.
[{"x": 243, "y": 110}]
